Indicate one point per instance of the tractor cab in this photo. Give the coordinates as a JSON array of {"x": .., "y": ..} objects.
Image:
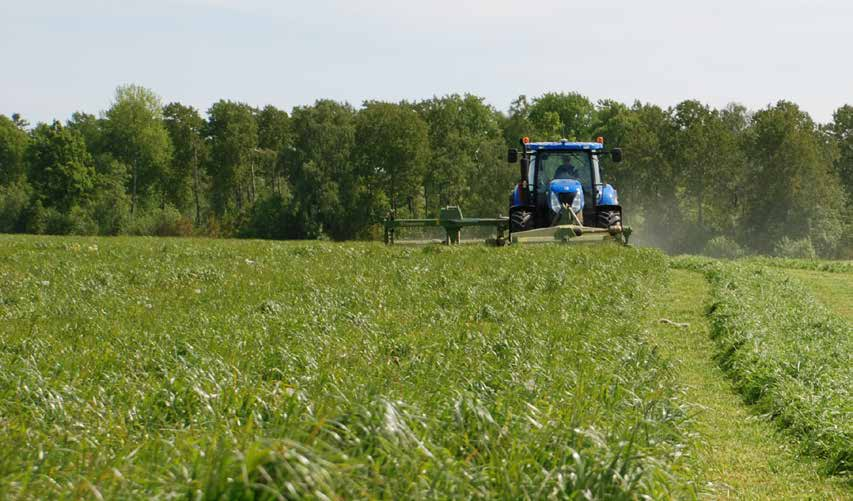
[{"x": 561, "y": 183}]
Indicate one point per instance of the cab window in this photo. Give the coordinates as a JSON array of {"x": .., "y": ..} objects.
[{"x": 565, "y": 165}]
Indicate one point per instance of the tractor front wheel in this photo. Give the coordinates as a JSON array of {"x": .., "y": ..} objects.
[
  {"x": 608, "y": 218},
  {"x": 520, "y": 220}
]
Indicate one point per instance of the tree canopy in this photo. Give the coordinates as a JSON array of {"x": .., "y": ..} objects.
[
  {"x": 135, "y": 134},
  {"x": 61, "y": 169},
  {"x": 13, "y": 145}
]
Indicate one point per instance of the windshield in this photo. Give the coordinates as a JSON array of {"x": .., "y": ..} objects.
[{"x": 564, "y": 165}]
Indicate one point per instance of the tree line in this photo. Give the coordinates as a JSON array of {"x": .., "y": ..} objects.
[{"x": 695, "y": 178}]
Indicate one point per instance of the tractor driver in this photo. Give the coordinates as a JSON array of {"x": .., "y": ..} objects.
[{"x": 566, "y": 170}]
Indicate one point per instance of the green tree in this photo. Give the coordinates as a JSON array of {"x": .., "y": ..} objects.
[
  {"x": 274, "y": 135},
  {"x": 270, "y": 218},
  {"x": 736, "y": 118},
  {"x": 391, "y": 151},
  {"x": 91, "y": 128},
  {"x": 15, "y": 192},
  {"x": 736, "y": 121},
  {"x": 793, "y": 190},
  {"x": 467, "y": 165},
  {"x": 614, "y": 120},
  {"x": 233, "y": 135},
  {"x": 110, "y": 202},
  {"x": 185, "y": 127},
  {"x": 135, "y": 134},
  {"x": 709, "y": 166},
  {"x": 13, "y": 145},
  {"x": 320, "y": 169},
  {"x": 569, "y": 115},
  {"x": 61, "y": 169},
  {"x": 842, "y": 130},
  {"x": 647, "y": 178},
  {"x": 550, "y": 117},
  {"x": 516, "y": 124}
]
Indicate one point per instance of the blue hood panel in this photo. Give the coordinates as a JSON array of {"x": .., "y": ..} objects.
[
  {"x": 559, "y": 187},
  {"x": 565, "y": 186}
]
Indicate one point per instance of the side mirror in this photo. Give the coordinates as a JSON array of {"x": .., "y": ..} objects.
[
  {"x": 512, "y": 155},
  {"x": 525, "y": 163},
  {"x": 616, "y": 155}
]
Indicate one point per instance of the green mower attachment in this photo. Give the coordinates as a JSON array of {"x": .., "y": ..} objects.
[
  {"x": 572, "y": 233},
  {"x": 450, "y": 218}
]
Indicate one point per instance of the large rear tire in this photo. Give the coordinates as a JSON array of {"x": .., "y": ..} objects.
[{"x": 520, "y": 220}]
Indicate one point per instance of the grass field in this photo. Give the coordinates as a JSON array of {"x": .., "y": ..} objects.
[
  {"x": 143, "y": 367},
  {"x": 138, "y": 368}
]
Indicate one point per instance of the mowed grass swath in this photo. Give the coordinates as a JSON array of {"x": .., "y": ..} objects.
[
  {"x": 245, "y": 369},
  {"x": 786, "y": 352},
  {"x": 839, "y": 266}
]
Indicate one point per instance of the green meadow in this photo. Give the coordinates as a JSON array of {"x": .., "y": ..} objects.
[{"x": 210, "y": 369}]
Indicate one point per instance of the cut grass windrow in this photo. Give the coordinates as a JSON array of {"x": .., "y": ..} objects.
[
  {"x": 786, "y": 353},
  {"x": 801, "y": 264},
  {"x": 737, "y": 455},
  {"x": 138, "y": 368}
]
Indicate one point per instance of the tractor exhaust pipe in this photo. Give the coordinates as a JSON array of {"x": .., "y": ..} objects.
[{"x": 524, "y": 166}]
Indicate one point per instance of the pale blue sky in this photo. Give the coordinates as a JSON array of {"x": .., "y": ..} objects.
[{"x": 61, "y": 56}]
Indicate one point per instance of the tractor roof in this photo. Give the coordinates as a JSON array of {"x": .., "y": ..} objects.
[{"x": 564, "y": 145}]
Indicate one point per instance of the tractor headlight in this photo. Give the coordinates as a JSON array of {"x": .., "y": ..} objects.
[
  {"x": 555, "y": 203},
  {"x": 577, "y": 203}
]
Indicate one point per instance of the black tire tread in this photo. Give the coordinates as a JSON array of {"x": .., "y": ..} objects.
[
  {"x": 608, "y": 218},
  {"x": 520, "y": 220}
]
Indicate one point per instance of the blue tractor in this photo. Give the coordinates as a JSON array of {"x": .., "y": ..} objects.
[{"x": 562, "y": 187}]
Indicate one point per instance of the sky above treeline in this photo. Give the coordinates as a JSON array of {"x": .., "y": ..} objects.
[{"x": 61, "y": 56}]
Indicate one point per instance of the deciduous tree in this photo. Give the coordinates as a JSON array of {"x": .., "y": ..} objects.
[
  {"x": 320, "y": 168},
  {"x": 793, "y": 189},
  {"x": 13, "y": 145},
  {"x": 233, "y": 135},
  {"x": 60, "y": 168},
  {"x": 391, "y": 151},
  {"x": 274, "y": 135},
  {"x": 467, "y": 165},
  {"x": 185, "y": 127},
  {"x": 572, "y": 113},
  {"x": 135, "y": 134}
]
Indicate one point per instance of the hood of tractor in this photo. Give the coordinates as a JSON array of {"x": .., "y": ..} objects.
[
  {"x": 565, "y": 194},
  {"x": 565, "y": 186}
]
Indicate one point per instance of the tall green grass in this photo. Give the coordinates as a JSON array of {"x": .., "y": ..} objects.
[
  {"x": 787, "y": 354},
  {"x": 802, "y": 264},
  {"x": 699, "y": 263},
  {"x": 191, "y": 368}
]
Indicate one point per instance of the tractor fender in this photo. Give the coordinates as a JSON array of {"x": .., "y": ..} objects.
[
  {"x": 607, "y": 196},
  {"x": 515, "y": 198}
]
